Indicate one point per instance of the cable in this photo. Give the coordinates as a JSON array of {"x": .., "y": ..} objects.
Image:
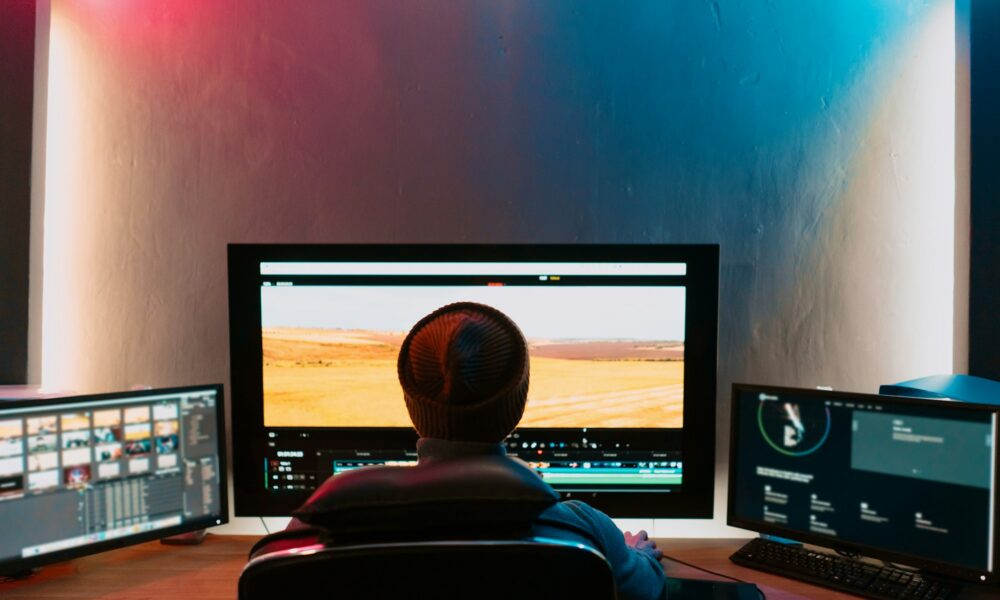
[
  {"x": 262, "y": 522},
  {"x": 704, "y": 570},
  {"x": 893, "y": 565},
  {"x": 19, "y": 576},
  {"x": 760, "y": 592}
]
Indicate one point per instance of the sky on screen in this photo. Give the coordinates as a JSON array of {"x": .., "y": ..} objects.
[{"x": 542, "y": 312}]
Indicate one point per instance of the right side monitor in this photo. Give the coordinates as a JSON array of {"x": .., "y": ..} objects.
[{"x": 901, "y": 479}]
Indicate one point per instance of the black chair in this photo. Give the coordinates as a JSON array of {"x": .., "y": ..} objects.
[
  {"x": 451, "y": 529},
  {"x": 509, "y": 570}
]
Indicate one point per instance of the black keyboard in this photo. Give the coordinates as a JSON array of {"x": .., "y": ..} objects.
[{"x": 842, "y": 573}]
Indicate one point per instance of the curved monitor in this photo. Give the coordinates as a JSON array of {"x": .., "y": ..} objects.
[
  {"x": 622, "y": 344},
  {"x": 84, "y": 474}
]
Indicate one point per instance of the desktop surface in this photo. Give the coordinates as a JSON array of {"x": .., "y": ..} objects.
[{"x": 209, "y": 571}]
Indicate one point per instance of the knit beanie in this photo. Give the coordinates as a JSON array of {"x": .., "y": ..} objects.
[{"x": 464, "y": 373}]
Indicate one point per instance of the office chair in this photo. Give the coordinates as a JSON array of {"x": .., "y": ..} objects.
[
  {"x": 469, "y": 569},
  {"x": 450, "y": 529}
]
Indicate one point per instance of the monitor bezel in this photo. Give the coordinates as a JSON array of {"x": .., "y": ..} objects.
[
  {"x": 826, "y": 541},
  {"x": 695, "y": 501},
  {"x": 20, "y": 565}
]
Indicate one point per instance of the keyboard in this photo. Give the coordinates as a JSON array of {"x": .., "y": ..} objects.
[{"x": 842, "y": 573}]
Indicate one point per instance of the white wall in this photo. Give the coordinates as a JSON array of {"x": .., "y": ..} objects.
[{"x": 813, "y": 141}]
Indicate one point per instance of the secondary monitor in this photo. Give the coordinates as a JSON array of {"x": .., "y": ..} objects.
[
  {"x": 83, "y": 474},
  {"x": 622, "y": 344},
  {"x": 899, "y": 479}
]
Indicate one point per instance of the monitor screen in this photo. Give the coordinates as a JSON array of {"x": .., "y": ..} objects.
[
  {"x": 912, "y": 481},
  {"x": 84, "y": 474},
  {"x": 622, "y": 359}
]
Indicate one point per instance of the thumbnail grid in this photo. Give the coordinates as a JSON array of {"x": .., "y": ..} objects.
[{"x": 43, "y": 452}]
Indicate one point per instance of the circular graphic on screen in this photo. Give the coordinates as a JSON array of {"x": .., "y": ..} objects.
[{"x": 792, "y": 428}]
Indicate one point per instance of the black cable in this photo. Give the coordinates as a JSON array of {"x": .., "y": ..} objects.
[
  {"x": 893, "y": 565},
  {"x": 704, "y": 570},
  {"x": 760, "y": 592},
  {"x": 19, "y": 576},
  {"x": 262, "y": 522}
]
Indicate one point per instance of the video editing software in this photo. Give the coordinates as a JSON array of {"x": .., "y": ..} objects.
[
  {"x": 606, "y": 344},
  {"x": 583, "y": 464},
  {"x": 93, "y": 469},
  {"x": 873, "y": 474}
]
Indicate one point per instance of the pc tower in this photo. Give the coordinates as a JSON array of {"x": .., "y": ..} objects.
[{"x": 965, "y": 388}]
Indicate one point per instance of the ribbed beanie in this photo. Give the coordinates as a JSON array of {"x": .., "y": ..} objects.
[{"x": 464, "y": 373}]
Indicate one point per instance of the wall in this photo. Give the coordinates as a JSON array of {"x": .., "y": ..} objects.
[{"x": 813, "y": 140}]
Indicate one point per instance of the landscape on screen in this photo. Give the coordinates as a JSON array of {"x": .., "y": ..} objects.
[{"x": 330, "y": 374}]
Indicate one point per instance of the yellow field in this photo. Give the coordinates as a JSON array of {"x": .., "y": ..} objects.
[
  {"x": 348, "y": 379},
  {"x": 604, "y": 393}
]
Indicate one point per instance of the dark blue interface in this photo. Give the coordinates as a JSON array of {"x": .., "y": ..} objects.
[{"x": 907, "y": 478}]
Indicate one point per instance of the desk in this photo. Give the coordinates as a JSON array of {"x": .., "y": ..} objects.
[
  {"x": 149, "y": 571},
  {"x": 209, "y": 571},
  {"x": 713, "y": 554}
]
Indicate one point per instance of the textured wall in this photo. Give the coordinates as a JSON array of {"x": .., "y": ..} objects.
[{"x": 812, "y": 140}]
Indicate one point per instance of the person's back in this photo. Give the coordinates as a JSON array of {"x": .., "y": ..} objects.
[{"x": 464, "y": 371}]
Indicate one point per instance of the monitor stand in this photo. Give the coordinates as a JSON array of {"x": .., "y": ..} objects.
[{"x": 186, "y": 539}]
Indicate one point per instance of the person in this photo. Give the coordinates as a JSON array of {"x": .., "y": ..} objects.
[{"x": 464, "y": 373}]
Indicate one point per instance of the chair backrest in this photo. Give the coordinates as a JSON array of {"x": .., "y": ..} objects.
[{"x": 470, "y": 569}]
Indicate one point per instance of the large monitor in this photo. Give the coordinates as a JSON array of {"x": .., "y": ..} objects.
[
  {"x": 899, "y": 479},
  {"x": 84, "y": 474},
  {"x": 622, "y": 344}
]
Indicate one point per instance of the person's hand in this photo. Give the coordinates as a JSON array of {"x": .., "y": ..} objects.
[{"x": 641, "y": 542}]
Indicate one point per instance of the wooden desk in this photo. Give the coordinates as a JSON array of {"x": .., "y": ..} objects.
[
  {"x": 210, "y": 571},
  {"x": 713, "y": 554},
  {"x": 149, "y": 571}
]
